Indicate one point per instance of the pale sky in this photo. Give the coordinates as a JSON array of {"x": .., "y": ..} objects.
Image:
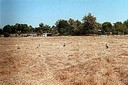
[{"x": 33, "y": 12}]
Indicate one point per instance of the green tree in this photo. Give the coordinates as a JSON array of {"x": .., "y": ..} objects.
[
  {"x": 89, "y": 24},
  {"x": 125, "y": 23},
  {"x": 107, "y": 27},
  {"x": 9, "y": 29},
  {"x": 63, "y": 27},
  {"x": 72, "y": 25},
  {"x": 54, "y": 30},
  {"x": 1, "y": 31},
  {"x": 31, "y": 29},
  {"x": 44, "y": 28},
  {"x": 119, "y": 27},
  {"x": 41, "y": 25},
  {"x": 25, "y": 28},
  {"x": 40, "y": 29},
  {"x": 98, "y": 30},
  {"x": 47, "y": 29},
  {"x": 75, "y": 27},
  {"x": 78, "y": 30},
  {"x": 22, "y": 28}
]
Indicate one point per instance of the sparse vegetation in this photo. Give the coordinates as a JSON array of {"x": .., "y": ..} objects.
[{"x": 83, "y": 60}]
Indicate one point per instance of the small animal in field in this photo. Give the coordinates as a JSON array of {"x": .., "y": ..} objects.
[
  {"x": 38, "y": 46},
  {"x": 106, "y": 46},
  {"x": 64, "y": 45},
  {"x": 18, "y": 47}
]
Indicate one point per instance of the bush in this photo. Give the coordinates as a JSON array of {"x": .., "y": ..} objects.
[{"x": 6, "y": 34}]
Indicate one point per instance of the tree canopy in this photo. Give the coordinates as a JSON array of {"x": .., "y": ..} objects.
[{"x": 88, "y": 25}]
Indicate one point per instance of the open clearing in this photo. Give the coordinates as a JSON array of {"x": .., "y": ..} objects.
[{"x": 84, "y": 60}]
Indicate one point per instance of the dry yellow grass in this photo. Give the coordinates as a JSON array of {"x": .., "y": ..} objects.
[{"x": 84, "y": 60}]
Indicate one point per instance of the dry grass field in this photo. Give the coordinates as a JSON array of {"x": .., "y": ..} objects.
[{"x": 84, "y": 60}]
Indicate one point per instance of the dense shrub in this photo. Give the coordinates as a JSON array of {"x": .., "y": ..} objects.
[{"x": 6, "y": 34}]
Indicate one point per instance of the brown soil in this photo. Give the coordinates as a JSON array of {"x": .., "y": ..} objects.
[{"x": 84, "y": 60}]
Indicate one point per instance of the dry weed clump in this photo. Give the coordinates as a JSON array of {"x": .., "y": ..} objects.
[
  {"x": 124, "y": 54},
  {"x": 18, "y": 70},
  {"x": 120, "y": 67},
  {"x": 8, "y": 64},
  {"x": 94, "y": 72}
]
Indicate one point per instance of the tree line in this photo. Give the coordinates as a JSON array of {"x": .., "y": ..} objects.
[{"x": 87, "y": 26}]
